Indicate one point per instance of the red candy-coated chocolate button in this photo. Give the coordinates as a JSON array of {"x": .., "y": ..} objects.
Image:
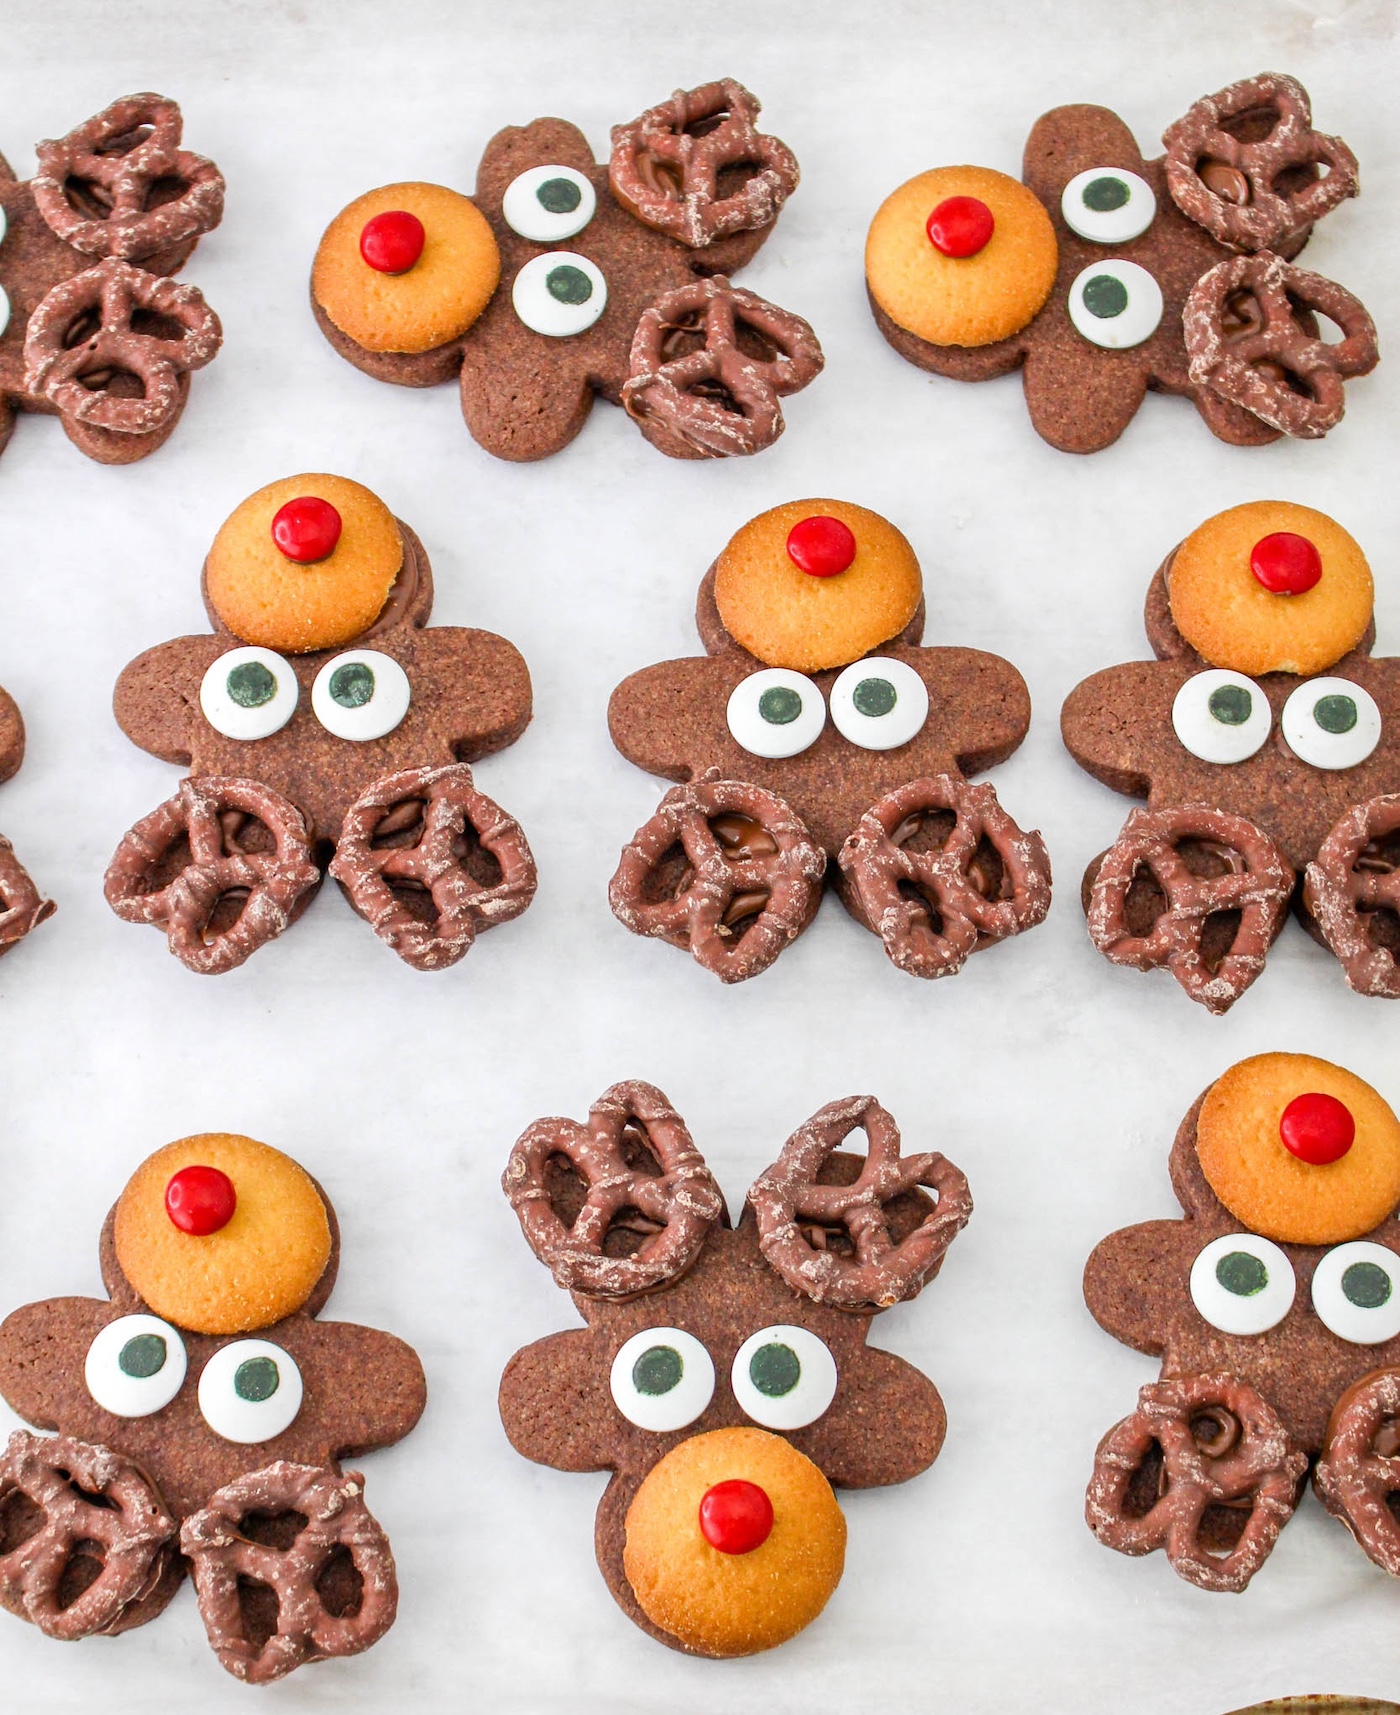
[
  {"x": 200, "y": 1200},
  {"x": 393, "y": 241},
  {"x": 736, "y": 1517},
  {"x": 1317, "y": 1128},
  {"x": 1285, "y": 564},
  {"x": 306, "y": 529},
  {"x": 960, "y": 226},
  {"x": 821, "y": 546}
]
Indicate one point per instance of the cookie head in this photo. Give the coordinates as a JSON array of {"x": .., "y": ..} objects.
[
  {"x": 961, "y": 256},
  {"x": 304, "y": 564},
  {"x": 222, "y": 1235},
  {"x": 1270, "y": 587},
  {"x": 816, "y": 584},
  {"x": 1299, "y": 1150},
  {"x": 406, "y": 268}
]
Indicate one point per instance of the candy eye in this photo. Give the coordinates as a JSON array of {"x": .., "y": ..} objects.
[
  {"x": 547, "y": 204},
  {"x": 784, "y": 1377},
  {"x": 1108, "y": 205},
  {"x": 1221, "y": 716},
  {"x": 559, "y": 293},
  {"x": 1356, "y": 1292},
  {"x": 775, "y": 713},
  {"x": 879, "y": 703},
  {"x": 662, "y": 1379},
  {"x": 136, "y": 1365},
  {"x": 1115, "y": 304},
  {"x": 1242, "y": 1284},
  {"x": 249, "y": 693},
  {"x": 360, "y": 695},
  {"x": 1331, "y": 723},
  {"x": 250, "y": 1391}
]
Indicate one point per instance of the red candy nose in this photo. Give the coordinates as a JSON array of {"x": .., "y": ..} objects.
[
  {"x": 306, "y": 529},
  {"x": 821, "y": 546},
  {"x": 736, "y": 1517},
  {"x": 960, "y": 226},
  {"x": 392, "y": 242},
  {"x": 1317, "y": 1128},
  {"x": 1285, "y": 564},
  {"x": 200, "y": 1200}
]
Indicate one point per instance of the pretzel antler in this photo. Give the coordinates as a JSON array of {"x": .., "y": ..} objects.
[{"x": 1352, "y": 889}]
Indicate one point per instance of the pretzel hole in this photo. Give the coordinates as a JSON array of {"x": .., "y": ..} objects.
[
  {"x": 1215, "y": 1432},
  {"x": 1252, "y": 125},
  {"x": 1382, "y": 922},
  {"x": 277, "y": 1530},
  {"x": 259, "y": 1608},
  {"x": 1222, "y": 1525},
  {"x": 83, "y": 1567},
  {"x": 662, "y": 178},
  {"x": 20, "y": 1518},
  {"x": 566, "y": 1188},
  {"x": 339, "y": 1584},
  {"x": 1147, "y": 1484},
  {"x": 902, "y": 1215},
  {"x": 1385, "y": 1444}
]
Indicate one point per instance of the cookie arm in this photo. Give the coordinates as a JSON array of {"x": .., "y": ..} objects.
[
  {"x": 660, "y": 716},
  {"x": 1134, "y": 1281},
  {"x": 42, "y": 1347},
  {"x": 1117, "y": 723},
  {"x": 375, "y": 1391},
  {"x": 157, "y": 695},
  {"x": 475, "y": 687},
  {"x": 886, "y": 1425},
  {"x": 978, "y": 700},
  {"x": 555, "y": 1406}
]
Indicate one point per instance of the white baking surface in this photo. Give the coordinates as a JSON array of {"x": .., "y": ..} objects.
[{"x": 1053, "y": 1080}]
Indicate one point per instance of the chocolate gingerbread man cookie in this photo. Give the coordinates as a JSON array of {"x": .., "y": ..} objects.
[
  {"x": 325, "y": 725},
  {"x": 815, "y": 737},
  {"x": 562, "y": 279},
  {"x": 723, "y": 1376},
  {"x": 1104, "y": 275},
  {"x": 1266, "y": 740},
  {"x": 21, "y": 908},
  {"x": 201, "y": 1412},
  {"x": 1274, "y": 1305},
  {"x": 92, "y": 328}
]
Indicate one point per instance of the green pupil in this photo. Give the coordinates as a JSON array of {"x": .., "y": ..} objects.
[
  {"x": 1104, "y": 195},
  {"x": 352, "y": 685},
  {"x": 1366, "y": 1285},
  {"x": 1105, "y": 296},
  {"x": 250, "y": 685},
  {"x": 256, "y": 1379},
  {"x": 1335, "y": 714},
  {"x": 559, "y": 196},
  {"x": 1231, "y": 705},
  {"x": 143, "y": 1355},
  {"x": 657, "y": 1371},
  {"x": 569, "y": 284},
  {"x": 775, "y": 1370},
  {"x": 874, "y": 697},
  {"x": 779, "y": 704},
  {"x": 1241, "y": 1273}
]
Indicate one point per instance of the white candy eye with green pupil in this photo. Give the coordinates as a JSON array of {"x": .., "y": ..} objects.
[
  {"x": 1108, "y": 205},
  {"x": 548, "y": 204},
  {"x": 879, "y": 703},
  {"x": 662, "y": 1379},
  {"x": 135, "y": 1366},
  {"x": 250, "y": 1391},
  {"x": 249, "y": 693},
  {"x": 1356, "y": 1292},
  {"x": 1115, "y": 304},
  {"x": 559, "y": 294},
  {"x": 784, "y": 1377},
  {"x": 360, "y": 695},
  {"x": 1221, "y": 716},
  {"x": 1331, "y": 723},
  {"x": 775, "y": 712},
  {"x": 1242, "y": 1284}
]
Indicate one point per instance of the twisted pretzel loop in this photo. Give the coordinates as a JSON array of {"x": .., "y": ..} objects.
[
  {"x": 678, "y": 1207},
  {"x": 211, "y": 813},
  {"x": 1220, "y": 1445},
  {"x": 881, "y": 1272},
  {"x": 666, "y": 165},
  {"x": 21, "y": 908},
  {"x": 1360, "y": 1465},
  {"x": 117, "y": 170},
  {"x": 878, "y": 866},
  {"x": 222, "y": 1556},
  {"x": 85, "y": 1494},
  {"x": 1257, "y": 884},
  {"x": 747, "y": 857},
  {"x": 1351, "y": 878},
  {"x": 438, "y": 805}
]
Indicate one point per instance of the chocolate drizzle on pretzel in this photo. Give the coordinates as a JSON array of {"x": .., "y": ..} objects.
[
  {"x": 22, "y": 907},
  {"x": 1352, "y": 890},
  {"x": 1358, "y": 1476}
]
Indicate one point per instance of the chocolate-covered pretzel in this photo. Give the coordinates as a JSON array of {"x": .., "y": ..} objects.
[{"x": 22, "y": 907}]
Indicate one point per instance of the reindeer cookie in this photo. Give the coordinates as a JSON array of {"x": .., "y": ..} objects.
[
  {"x": 201, "y": 1412},
  {"x": 1266, "y": 740},
  {"x": 92, "y": 329},
  {"x": 723, "y": 1376},
  {"x": 817, "y": 732},
  {"x": 323, "y": 716},
  {"x": 1104, "y": 275},
  {"x": 21, "y": 908},
  {"x": 563, "y": 279},
  {"x": 1274, "y": 1305}
]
